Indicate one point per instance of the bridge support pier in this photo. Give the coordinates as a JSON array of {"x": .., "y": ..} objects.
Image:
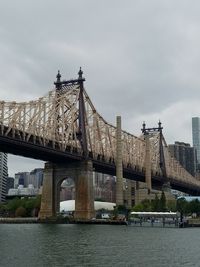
[
  {"x": 84, "y": 194},
  {"x": 47, "y": 208},
  {"x": 54, "y": 174}
]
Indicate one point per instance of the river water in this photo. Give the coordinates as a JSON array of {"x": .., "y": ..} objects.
[{"x": 97, "y": 245}]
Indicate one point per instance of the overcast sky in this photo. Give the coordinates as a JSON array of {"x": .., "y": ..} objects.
[{"x": 141, "y": 58}]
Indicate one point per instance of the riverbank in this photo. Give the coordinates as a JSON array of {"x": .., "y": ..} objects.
[
  {"x": 19, "y": 220},
  {"x": 29, "y": 220},
  {"x": 60, "y": 221}
]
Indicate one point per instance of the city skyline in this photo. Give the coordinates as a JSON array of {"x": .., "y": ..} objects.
[{"x": 144, "y": 67}]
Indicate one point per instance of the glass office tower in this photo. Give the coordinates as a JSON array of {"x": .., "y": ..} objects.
[{"x": 196, "y": 138}]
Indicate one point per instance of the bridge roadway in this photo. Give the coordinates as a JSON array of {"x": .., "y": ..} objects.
[{"x": 13, "y": 144}]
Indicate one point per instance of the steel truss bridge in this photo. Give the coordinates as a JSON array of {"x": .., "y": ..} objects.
[{"x": 64, "y": 126}]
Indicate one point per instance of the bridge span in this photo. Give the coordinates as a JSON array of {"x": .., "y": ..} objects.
[{"x": 64, "y": 129}]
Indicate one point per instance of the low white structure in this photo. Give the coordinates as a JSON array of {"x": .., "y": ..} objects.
[
  {"x": 69, "y": 205},
  {"x": 23, "y": 191}
]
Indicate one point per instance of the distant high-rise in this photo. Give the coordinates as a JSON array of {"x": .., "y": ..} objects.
[
  {"x": 185, "y": 154},
  {"x": 3, "y": 175},
  {"x": 9, "y": 184},
  {"x": 21, "y": 178},
  {"x": 34, "y": 177},
  {"x": 196, "y": 138}
]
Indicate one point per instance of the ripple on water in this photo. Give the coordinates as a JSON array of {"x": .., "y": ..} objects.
[{"x": 97, "y": 245}]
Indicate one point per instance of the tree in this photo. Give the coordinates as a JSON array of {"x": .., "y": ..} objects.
[
  {"x": 194, "y": 206},
  {"x": 171, "y": 205},
  {"x": 162, "y": 202},
  {"x": 138, "y": 207},
  {"x": 146, "y": 205},
  {"x": 155, "y": 203},
  {"x": 182, "y": 206},
  {"x": 20, "y": 212},
  {"x": 31, "y": 205},
  {"x": 13, "y": 205}
]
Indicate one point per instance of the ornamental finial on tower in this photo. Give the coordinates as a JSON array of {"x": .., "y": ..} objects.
[
  {"x": 143, "y": 127},
  {"x": 80, "y": 74},
  {"x": 58, "y": 77},
  {"x": 159, "y": 125}
]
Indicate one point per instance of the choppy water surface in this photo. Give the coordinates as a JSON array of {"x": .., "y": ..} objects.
[{"x": 97, "y": 245}]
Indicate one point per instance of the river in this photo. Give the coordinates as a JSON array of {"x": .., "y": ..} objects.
[{"x": 97, "y": 245}]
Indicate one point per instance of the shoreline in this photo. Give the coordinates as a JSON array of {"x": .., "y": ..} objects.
[{"x": 34, "y": 220}]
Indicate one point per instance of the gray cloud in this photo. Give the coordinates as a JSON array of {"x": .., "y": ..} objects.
[{"x": 140, "y": 58}]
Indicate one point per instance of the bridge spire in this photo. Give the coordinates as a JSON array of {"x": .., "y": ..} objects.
[
  {"x": 80, "y": 74},
  {"x": 58, "y": 82},
  {"x": 58, "y": 76},
  {"x": 159, "y": 126},
  {"x": 143, "y": 127}
]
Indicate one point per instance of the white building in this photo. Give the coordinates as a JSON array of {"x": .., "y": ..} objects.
[
  {"x": 69, "y": 205},
  {"x": 23, "y": 191}
]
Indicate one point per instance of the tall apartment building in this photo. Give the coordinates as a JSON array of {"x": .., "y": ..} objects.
[
  {"x": 35, "y": 177},
  {"x": 21, "y": 178},
  {"x": 3, "y": 175},
  {"x": 196, "y": 138},
  {"x": 185, "y": 154},
  {"x": 9, "y": 184}
]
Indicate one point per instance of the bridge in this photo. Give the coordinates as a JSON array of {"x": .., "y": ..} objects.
[{"x": 64, "y": 129}]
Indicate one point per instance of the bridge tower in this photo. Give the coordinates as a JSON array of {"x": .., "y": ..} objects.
[
  {"x": 148, "y": 172},
  {"x": 81, "y": 171}
]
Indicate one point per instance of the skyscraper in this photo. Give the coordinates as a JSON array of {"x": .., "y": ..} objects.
[
  {"x": 3, "y": 175},
  {"x": 196, "y": 138},
  {"x": 185, "y": 154},
  {"x": 9, "y": 184}
]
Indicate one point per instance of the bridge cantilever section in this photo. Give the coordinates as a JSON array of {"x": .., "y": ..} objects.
[
  {"x": 53, "y": 129},
  {"x": 51, "y": 125}
]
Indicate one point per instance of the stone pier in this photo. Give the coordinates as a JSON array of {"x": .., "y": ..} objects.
[
  {"x": 84, "y": 194},
  {"x": 47, "y": 208},
  {"x": 54, "y": 174}
]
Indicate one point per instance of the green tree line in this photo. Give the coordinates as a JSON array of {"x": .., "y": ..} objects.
[
  {"x": 21, "y": 207},
  {"x": 188, "y": 207},
  {"x": 157, "y": 204}
]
